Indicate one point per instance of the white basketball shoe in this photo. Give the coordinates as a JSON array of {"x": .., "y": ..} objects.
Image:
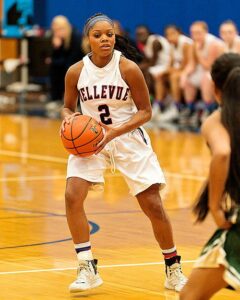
[
  {"x": 175, "y": 279},
  {"x": 87, "y": 277}
]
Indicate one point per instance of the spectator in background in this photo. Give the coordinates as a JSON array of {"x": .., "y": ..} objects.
[
  {"x": 180, "y": 49},
  {"x": 66, "y": 50},
  {"x": 229, "y": 34},
  {"x": 196, "y": 74},
  {"x": 156, "y": 50}
]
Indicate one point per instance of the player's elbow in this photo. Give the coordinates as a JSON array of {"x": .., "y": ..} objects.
[
  {"x": 147, "y": 115},
  {"x": 222, "y": 154}
]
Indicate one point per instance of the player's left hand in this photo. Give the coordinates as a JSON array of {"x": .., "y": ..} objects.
[{"x": 110, "y": 134}]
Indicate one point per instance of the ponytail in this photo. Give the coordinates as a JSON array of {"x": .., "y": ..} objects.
[
  {"x": 200, "y": 208},
  {"x": 230, "y": 116},
  {"x": 122, "y": 44}
]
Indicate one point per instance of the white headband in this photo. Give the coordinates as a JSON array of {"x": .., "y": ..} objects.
[{"x": 94, "y": 20}]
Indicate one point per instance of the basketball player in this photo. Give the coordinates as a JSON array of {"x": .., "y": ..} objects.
[
  {"x": 229, "y": 34},
  {"x": 180, "y": 49},
  {"x": 156, "y": 50},
  {"x": 112, "y": 90},
  {"x": 219, "y": 263},
  {"x": 196, "y": 74}
]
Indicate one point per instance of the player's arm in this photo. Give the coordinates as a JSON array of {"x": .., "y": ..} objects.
[
  {"x": 190, "y": 63},
  {"x": 214, "y": 52},
  {"x": 156, "y": 48},
  {"x": 70, "y": 94},
  {"x": 187, "y": 48},
  {"x": 71, "y": 91},
  {"x": 218, "y": 140},
  {"x": 139, "y": 92}
]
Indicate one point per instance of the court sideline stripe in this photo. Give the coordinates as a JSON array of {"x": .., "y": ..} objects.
[
  {"x": 100, "y": 267},
  {"x": 61, "y": 177},
  {"x": 32, "y": 178},
  {"x": 33, "y": 156},
  {"x": 64, "y": 160}
]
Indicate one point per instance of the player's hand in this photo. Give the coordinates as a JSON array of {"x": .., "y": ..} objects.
[
  {"x": 67, "y": 120},
  {"x": 220, "y": 219},
  {"x": 57, "y": 42},
  {"x": 110, "y": 134}
]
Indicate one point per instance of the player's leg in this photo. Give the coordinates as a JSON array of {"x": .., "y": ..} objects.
[
  {"x": 143, "y": 174},
  {"x": 78, "y": 184},
  {"x": 207, "y": 88},
  {"x": 203, "y": 283},
  {"x": 207, "y": 96},
  {"x": 76, "y": 193},
  {"x": 151, "y": 204},
  {"x": 174, "y": 81},
  {"x": 160, "y": 86},
  {"x": 189, "y": 91}
]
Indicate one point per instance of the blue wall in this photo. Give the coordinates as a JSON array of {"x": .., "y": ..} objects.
[{"x": 155, "y": 13}]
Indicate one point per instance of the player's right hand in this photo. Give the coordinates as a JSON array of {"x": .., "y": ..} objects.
[{"x": 67, "y": 120}]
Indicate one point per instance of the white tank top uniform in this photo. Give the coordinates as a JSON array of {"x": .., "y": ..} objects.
[
  {"x": 177, "y": 52},
  {"x": 196, "y": 77},
  {"x": 106, "y": 97},
  {"x": 235, "y": 46},
  {"x": 164, "y": 57}
]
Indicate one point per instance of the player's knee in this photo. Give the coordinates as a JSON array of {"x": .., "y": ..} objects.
[
  {"x": 174, "y": 77},
  {"x": 153, "y": 203},
  {"x": 71, "y": 198},
  {"x": 157, "y": 211}
]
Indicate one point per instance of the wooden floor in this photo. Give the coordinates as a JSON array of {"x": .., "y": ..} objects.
[{"x": 37, "y": 259}]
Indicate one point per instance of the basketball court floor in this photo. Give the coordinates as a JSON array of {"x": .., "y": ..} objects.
[{"x": 37, "y": 259}]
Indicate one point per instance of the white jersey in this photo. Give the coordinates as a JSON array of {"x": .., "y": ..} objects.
[
  {"x": 235, "y": 46},
  {"x": 208, "y": 41},
  {"x": 103, "y": 93},
  {"x": 164, "y": 57},
  {"x": 177, "y": 52}
]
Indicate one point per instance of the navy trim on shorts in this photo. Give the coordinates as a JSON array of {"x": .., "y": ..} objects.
[{"x": 142, "y": 135}]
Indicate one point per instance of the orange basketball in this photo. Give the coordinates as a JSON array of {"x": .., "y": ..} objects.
[{"x": 81, "y": 136}]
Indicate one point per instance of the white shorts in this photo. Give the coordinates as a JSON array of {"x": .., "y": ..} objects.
[
  {"x": 130, "y": 153},
  {"x": 157, "y": 70},
  {"x": 196, "y": 77}
]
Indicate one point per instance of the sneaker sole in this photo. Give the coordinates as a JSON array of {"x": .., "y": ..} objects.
[
  {"x": 96, "y": 284},
  {"x": 170, "y": 287}
]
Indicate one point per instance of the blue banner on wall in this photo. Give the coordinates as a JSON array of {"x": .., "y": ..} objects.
[{"x": 17, "y": 17}]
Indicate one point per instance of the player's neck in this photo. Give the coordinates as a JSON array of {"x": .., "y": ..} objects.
[{"x": 101, "y": 62}]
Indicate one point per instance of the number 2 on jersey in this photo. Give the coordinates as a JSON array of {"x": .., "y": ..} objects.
[{"x": 105, "y": 113}]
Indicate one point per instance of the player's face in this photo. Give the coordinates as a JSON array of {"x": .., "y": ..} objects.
[
  {"x": 172, "y": 35},
  {"x": 142, "y": 34},
  {"x": 198, "y": 33},
  {"x": 228, "y": 33},
  {"x": 102, "y": 38}
]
